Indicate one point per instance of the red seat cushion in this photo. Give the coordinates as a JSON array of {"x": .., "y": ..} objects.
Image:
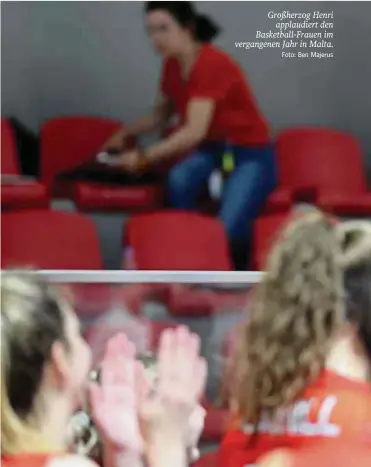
[
  {"x": 95, "y": 196},
  {"x": 191, "y": 302},
  {"x": 279, "y": 200},
  {"x": 344, "y": 204},
  {"x": 24, "y": 195}
]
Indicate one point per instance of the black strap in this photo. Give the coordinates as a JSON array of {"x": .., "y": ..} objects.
[{"x": 94, "y": 171}]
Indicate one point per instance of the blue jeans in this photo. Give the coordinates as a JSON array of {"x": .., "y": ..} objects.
[{"x": 245, "y": 191}]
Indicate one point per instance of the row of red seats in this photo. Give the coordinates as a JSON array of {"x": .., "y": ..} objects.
[
  {"x": 66, "y": 143},
  {"x": 164, "y": 240},
  {"x": 57, "y": 240},
  {"x": 317, "y": 165}
]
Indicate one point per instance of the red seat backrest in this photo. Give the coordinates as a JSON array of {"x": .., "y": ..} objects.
[
  {"x": 9, "y": 157},
  {"x": 265, "y": 232},
  {"x": 176, "y": 240},
  {"x": 70, "y": 141},
  {"x": 49, "y": 240},
  {"x": 320, "y": 158}
]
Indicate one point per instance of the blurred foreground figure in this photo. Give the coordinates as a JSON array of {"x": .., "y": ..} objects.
[
  {"x": 303, "y": 358},
  {"x": 45, "y": 365},
  {"x": 355, "y": 239}
]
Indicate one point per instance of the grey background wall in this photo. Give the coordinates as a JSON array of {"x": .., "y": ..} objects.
[{"x": 94, "y": 58}]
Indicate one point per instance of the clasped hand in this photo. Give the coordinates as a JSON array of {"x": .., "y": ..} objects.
[{"x": 127, "y": 414}]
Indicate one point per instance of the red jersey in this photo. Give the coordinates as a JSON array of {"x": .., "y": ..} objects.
[
  {"x": 336, "y": 454},
  {"x": 237, "y": 118},
  {"x": 332, "y": 408},
  {"x": 26, "y": 460}
]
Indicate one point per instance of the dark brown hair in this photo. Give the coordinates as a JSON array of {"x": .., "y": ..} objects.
[
  {"x": 355, "y": 239},
  {"x": 204, "y": 29}
]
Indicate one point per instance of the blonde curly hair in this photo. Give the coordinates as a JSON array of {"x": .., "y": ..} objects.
[{"x": 294, "y": 313}]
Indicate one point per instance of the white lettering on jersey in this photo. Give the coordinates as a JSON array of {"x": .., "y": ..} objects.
[
  {"x": 324, "y": 417},
  {"x": 296, "y": 420}
]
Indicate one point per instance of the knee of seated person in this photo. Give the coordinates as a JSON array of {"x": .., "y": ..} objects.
[
  {"x": 238, "y": 228},
  {"x": 178, "y": 180}
]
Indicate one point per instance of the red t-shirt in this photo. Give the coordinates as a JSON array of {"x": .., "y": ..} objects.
[
  {"x": 26, "y": 460},
  {"x": 336, "y": 455},
  {"x": 334, "y": 408},
  {"x": 237, "y": 118}
]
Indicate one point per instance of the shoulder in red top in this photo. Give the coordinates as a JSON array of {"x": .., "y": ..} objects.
[
  {"x": 332, "y": 409},
  {"x": 26, "y": 460},
  {"x": 39, "y": 460},
  {"x": 336, "y": 454},
  {"x": 215, "y": 75}
]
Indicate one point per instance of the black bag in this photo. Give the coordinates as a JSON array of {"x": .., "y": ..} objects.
[
  {"x": 95, "y": 171},
  {"x": 27, "y": 147}
]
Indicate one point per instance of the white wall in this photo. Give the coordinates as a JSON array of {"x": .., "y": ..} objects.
[{"x": 94, "y": 58}]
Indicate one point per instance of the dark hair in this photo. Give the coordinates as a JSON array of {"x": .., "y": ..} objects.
[
  {"x": 356, "y": 261},
  {"x": 32, "y": 319},
  {"x": 204, "y": 29}
]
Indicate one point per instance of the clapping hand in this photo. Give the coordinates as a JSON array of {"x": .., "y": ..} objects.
[
  {"x": 180, "y": 385},
  {"x": 114, "y": 403},
  {"x": 132, "y": 418}
]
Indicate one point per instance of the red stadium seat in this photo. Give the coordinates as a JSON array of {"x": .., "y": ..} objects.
[
  {"x": 68, "y": 142},
  {"x": 9, "y": 156},
  {"x": 17, "y": 191},
  {"x": 280, "y": 200},
  {"x": 324, "y": 166},
  {"x": 90, "y": 196},
  {"x": 49, "y": 240},
  {"x": 188, "y": 302},
  {"x": 265, "y": 231},
  {"x": 178, "y": 241}
]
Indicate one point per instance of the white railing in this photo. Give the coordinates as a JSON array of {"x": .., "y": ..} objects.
[{"x": 186, "y": 277}]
